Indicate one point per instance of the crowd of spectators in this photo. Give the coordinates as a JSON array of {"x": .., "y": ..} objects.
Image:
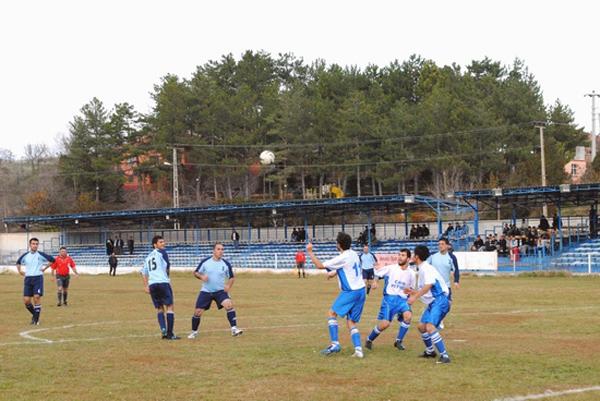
[{"x": 520, "y": 241}]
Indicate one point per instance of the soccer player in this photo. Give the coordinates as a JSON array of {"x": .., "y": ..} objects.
[
  {"x": 433, "y": 292},
  {"x": 351, "y": 300},
  {"x": 157, "y": 283},
  {"x": 446, "y": 263},
  {"x": 60, "y": 271},
  {"x": 217, "y": 278},
  {"x": 398, "y": 277},
  {"x": 367, "y": 264},
  {"x": 35, "y": 263}
]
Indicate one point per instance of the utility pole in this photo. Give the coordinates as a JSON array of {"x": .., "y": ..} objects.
[
  {"x": 593, "y": 95},
  {"x": 543, "y": 160},
  {"x": 175, "y": 180}
]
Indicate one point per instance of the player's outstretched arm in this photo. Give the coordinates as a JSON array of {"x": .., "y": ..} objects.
[
  {"x": 318, "y": 264},
  {"x": 146, "y": 288},
  {"x": 19, "y": 269},
  {"x": 414, "y": 295},
  {"x": 229, "y": 284},
  {"x": 201, "y": 276}
]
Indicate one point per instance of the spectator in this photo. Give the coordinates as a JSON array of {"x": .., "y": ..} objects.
[
  {"x": 294, "y": 235},
  {"x": 130, "y": 245},
  {"x": 425, "y": 231},
  {"x": 119, "y": 245},
  {"x": 477, "y": 244},
  {"x": 502, "y": 246},
  {"x": 593, "y": 222},
  {"x": 110, "y": 246},
  {"x": 449, "y": 231},
  {"x": 556, "y": 223},
  {"x": 544, "y": 226},
  {"x": 235, "y": 238},
  {"x": 413, "y": 232},
  {"x": 112, "y": 263}
]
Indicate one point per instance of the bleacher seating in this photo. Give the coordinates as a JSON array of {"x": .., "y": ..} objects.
[
  {"x": 253, "y": 255},
  {"x": 576, "y": 259}
]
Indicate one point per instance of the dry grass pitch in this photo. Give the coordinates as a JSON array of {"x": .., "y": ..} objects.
[{"x": 507, "y": 336}]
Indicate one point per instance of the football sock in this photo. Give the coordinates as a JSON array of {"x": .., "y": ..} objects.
[
  {"x": 436, "y": 338},
  {"x": 195, "y": 323},
  {"x": 161, "y": 321},
  {"x": 37, "y": 309},
  {"x": 59, "y": 296},
  {"x": 65, "y": 297},
  {"x": 30, "y": 308},
  {"x": 333, "y": 329},
  {"x": 231, "y": 317},
  {"x": 374, "y": 334},
  {"x": 170, "y": 322},
  {"x": 368, "y": 289},
  {"x": 427, "y": 340},
  {"x": 403, "y": 330},
  {"x": 355, "y": 337}
]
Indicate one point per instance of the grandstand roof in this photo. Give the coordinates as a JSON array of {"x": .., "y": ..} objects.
[
  {"x": 288, "y": 208},
  {"x": 566, "y": 194}
]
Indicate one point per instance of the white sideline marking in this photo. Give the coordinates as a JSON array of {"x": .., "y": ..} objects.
[
  {"x": 550, "y": 393},
  {"x": 39, "y": 340}
]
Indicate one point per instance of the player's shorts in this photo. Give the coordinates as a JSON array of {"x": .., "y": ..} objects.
[
  {"x": 368, "y": 274},
  {"x": 205, "y": 299},
  {"x": 63, "y": 281},
  {"x": 33, "y": 285},
  {"x": 391, "y": 306},
  {"x": 350, "y": 304},
  {"x": 436, "y": 311},
  {"x": 300, "y": 265},
  {"x": 161, "y": 294}
]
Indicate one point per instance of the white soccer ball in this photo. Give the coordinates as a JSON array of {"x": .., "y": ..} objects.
[{"x": 267, "y": 157}]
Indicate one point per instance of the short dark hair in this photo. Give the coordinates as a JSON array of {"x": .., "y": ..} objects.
[
  {"x": 344, "y": 240},
  {"x": 444, "y": 239},
  {"x": 422, "y": 252},
  {"x": 33, "y": 239},
  {"x": 217, "y": 243},
  {"x": 406, "y": 251},
  {"x": 62, "y": 247},
  {"x": 156, "y": 238}
]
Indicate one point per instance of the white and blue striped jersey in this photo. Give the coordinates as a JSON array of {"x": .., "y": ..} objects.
[
  {"x": 348, "y": 269},
  {"x": 218, "y": 272},
  {"x": 156, "y": 267},
  {"x": 429, "y": 275},
  {"x": 396, "y": 279},
  {"x": 367, "y": 261},
  {"x": 443, "y": 264},
  {"x": 34, "y": 262}
]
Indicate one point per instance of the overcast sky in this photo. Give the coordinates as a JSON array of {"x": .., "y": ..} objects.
[{"x": 57, "y": 55}]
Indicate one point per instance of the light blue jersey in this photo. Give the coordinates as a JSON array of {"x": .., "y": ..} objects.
[
  {"x": 443, "y": 264},
  {"x": 367, "y": 261},
  {"x": 156, "y": 267},
  {"x": 218, "y": 272},
  {"x": 34, "y": 262}
]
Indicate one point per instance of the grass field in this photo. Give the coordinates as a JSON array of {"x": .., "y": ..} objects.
[{"x": 507, "y": 336}]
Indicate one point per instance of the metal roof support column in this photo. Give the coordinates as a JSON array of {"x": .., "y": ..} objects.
[
  {"x": 405, "y": 223},
  {"x": 306, "y": 228},
  {"x": 438, "y": 212},
  {"x": 476, "y": 219},
  {"x": 249, "y": 229},
  {"x": 514, "y": 214},
  {"x": 560, "y": 234},
  {"x": 369, "y": 228}
]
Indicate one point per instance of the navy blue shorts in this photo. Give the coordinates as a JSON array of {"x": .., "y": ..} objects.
[
  {"x": 205, "y": 299},
  {"x": 161, "y": 294},
  {"x": 368, "y": 274},
  {"x": 33, "y": 285}
]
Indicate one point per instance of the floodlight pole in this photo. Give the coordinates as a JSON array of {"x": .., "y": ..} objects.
[
  {"x": 593, "y": 95},
  {"x": 543, "y": 161}
]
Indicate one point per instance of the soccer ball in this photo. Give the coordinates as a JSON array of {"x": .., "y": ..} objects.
[{"x": 267, "y": 157}]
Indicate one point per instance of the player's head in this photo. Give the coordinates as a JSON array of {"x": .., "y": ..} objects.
[
  {"x": 421, "y": 254},
  {"x": 33, "y": 244},
  {"x": 218, "y": 250},
  {"x": 343, "y": 241},
  {"x": 62, "y": 251},
  {"x": 158, "y": 242},
  {"x": 403, "y": 257},
  {"x": 443, "y": 244},
  {"x": 366, "y": 249}
]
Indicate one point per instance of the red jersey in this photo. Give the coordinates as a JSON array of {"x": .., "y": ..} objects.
[
  {"x": 300, "y": 257},
  {"x": 61, "y": 265}
]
